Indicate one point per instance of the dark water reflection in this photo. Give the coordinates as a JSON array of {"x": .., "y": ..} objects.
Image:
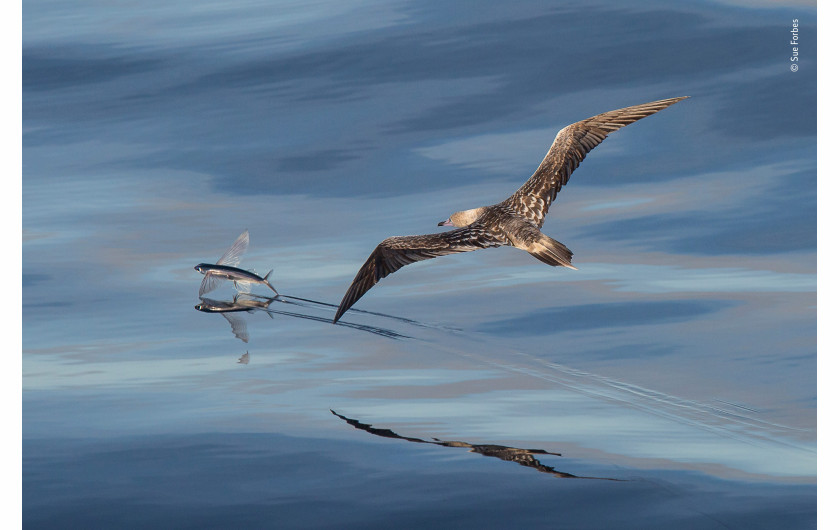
[
  {"x": 680, "y": 358},
  {"x": 523, "y": 457},
  {"x": 216, "y": 480}
]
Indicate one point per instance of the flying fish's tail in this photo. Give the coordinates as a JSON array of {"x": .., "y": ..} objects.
[{"x": 265, "y": 279}]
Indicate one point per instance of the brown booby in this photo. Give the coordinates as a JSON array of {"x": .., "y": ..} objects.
[{"x": 516, "y": 221}]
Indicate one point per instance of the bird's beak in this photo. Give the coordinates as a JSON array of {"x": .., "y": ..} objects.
[{"x": 448, "y": 222}]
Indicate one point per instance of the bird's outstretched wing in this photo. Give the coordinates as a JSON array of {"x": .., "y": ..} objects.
[
  {"x": 568, "y": 150},
  {"x": 396, "y": 252}
]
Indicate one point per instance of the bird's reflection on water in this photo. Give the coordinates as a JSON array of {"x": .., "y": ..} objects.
[
  {"x": 523, "y": 457},
  {"x": 246, "y": 302}
]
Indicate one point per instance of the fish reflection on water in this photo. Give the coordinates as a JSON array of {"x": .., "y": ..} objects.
[
  {"x": 523, "y": 457},
  {"x": 238, "y": 304},
  {"x": 249, "y": 303},
  {"x": 227, "y": 269}
]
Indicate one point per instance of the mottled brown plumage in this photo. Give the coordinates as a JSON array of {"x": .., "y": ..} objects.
[{"x": 516, "y": 221}]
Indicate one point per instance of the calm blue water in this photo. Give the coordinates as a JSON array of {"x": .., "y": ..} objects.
[{"x": 670, "y": 382}]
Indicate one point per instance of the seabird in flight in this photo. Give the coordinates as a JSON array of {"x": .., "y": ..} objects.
[{"x": 516, "y": 221}]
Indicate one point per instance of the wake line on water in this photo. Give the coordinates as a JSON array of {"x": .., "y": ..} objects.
[
  {"x": 326, "y": 306},
  {"x": 740, "y": 424},
  {"x": 361, "y": 327},
  {"x": 712, "y": 419}
]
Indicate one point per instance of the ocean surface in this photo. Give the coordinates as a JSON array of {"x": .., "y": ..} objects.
[{"x": 670, "y": 382}]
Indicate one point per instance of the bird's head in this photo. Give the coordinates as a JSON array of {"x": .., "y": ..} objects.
[{"x": 463, "y": 218}]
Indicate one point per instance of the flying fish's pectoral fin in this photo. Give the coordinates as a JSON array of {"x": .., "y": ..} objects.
[
  {"x": 234, "y": 253},
  {"x": 209, "y": 283}
]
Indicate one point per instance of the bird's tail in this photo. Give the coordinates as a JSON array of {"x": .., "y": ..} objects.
[
  {"x": 265, "y": 279},
  {"x": 551, "y": 251}
]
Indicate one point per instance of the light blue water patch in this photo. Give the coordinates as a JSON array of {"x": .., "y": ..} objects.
[
  {"x": 643, "y": 278},
  {"x": 617, "y": 204},
  {"x": 662, "y": 279}
]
